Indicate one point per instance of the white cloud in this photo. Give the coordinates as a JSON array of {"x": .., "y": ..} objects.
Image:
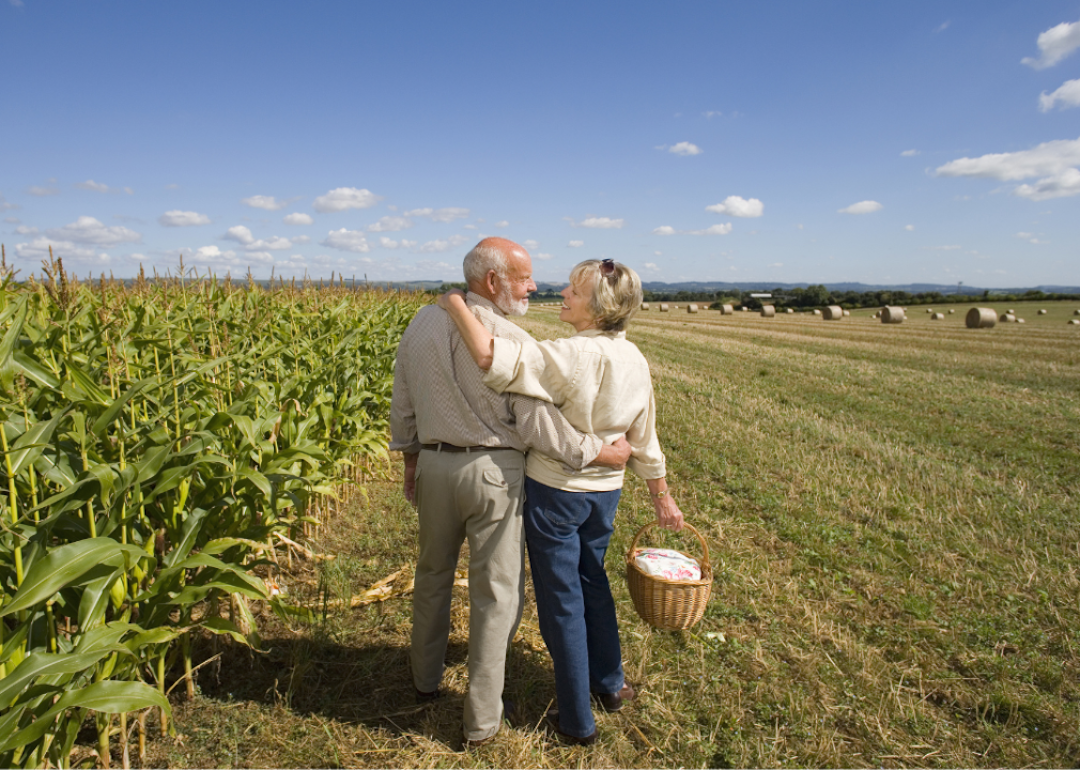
[
  {"x": 4, "y": 205},
  {"x": 301, "y": 239},
  {"x": 1068, "y": 94},
  {"x": 909, "y": 153},
  {"x": 682, "y": 148},
  {"x": 862, "y": 207},
  {"x": 388, "y": 243},
  {"x": 240, "y": 234},
  {"x": 909, "y": 228},
  {"x": 38, "y": 249},
  {"x": 448, "y": 214},
  {"x": 42, "y": 191},
  {"x": 1062, "y": 185},
  {"x": 11, "y": 220},
  {"x": 276, "y": 243},
  {"x": 723, "y": 229},
  {"x": 347, "y": 240},
  {"x": 734, "y": 206},
  {"x": 90, "y": 184},
  {"x": 298, "y": 219},
  {"x": 599, "y": 223},
  {"x": 502, "y": 223},
  {"x": 942, "y": 27},
  {"x": 1055, "y": 44},
  {"x": 267, "y": 202},
  {"x": 24, "y": 230},
  {"x": 542, "y": 255},
  {"x": 91, "y": 231},
  {"x": 651, "y": 266},
  {"x": 531, "y": 244},
  {"x": 178, "y": 218},
  {"x": 664, "y": 230},
  {"x": 441, "y": 245},
  {"x": 576, "y": 244},
  {"x": 712, "y": 113},
  {"x": 344, "y": 198},
  {"x": 390, "y": 225},
  {"x": 1055, "y": 161},
  {"x": 1030, "y": 238}
]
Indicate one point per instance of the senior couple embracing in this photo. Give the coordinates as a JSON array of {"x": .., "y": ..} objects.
[{"x": 511, "y": 442}]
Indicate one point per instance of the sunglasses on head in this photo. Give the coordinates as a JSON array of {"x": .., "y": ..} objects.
[{"x": 607, "y": 268}]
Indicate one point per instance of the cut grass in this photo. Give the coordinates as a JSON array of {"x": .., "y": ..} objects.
[{"x": 891, "y": 513}]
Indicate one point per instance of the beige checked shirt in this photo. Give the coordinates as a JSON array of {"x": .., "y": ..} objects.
[{"x": 439, "y": 395}]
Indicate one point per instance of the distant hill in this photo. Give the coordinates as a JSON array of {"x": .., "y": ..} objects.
[{"x": 712, "y": 286}]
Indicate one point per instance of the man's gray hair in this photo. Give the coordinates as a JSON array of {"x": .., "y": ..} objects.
[{"x": 486, "y": 255}]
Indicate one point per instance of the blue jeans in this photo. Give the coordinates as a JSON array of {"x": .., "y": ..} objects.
[{"x": 568, "y": 534}]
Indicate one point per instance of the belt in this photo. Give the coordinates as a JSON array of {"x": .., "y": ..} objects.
[{"x": 442, "y": 446}]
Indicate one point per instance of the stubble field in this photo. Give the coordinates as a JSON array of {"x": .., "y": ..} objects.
[{"x": 891, "y": 513}]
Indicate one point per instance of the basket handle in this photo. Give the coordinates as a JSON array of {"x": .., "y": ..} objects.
[{"x": 705, "y": 565}]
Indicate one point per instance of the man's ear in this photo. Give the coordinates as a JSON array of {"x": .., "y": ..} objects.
[{"x": 489, "y": 282}]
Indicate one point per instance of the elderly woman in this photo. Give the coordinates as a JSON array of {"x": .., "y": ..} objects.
[{"x": 601, "y": 382}]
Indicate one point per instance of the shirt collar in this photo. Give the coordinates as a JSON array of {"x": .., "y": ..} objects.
[
  {"x": 598, "y": 333},
  {"x": 472, "y": 298}
]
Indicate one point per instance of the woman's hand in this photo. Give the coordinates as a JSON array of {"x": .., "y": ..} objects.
[
  {"x": 668, "y": 515},
  {"x": 447, "y": 300}
]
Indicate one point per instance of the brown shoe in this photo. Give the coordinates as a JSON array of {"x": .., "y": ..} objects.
[
  {"x": 552, "y": 719},
  {"x": 613, "y": 701},
  {"x": 426, "y": 697}
]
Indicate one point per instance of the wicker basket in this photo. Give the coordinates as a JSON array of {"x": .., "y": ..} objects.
[{"x": 672, "y": 605}]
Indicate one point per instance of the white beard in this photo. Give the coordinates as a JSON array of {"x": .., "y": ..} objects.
[{"x": 512, "y": 307}]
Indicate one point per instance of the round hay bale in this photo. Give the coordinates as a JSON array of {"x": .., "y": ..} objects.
[
  {"x": 817, "y": 312},
  {"x": 768, "y": 311},
  {"x": 1076, "y": 312},
  {"x": 1007, "y": 318},
  {"x": 745, "y": 308},
  {"x": 1074, "y": 322},
  {"x": 789, "y": 311},
  {"x": 892, "y": 315},
  {"x": 833, "y": 313},
  {"x": 727, "y": 310},
  {"x": 1010, "y": 311},
  {"x": 930, "y": 310},
  {"x": 951, "y": 311},
  {"x": 644, "y": 305},
  {"x": 1020, "y": 320},
  {"x": 981, "y": 318},
  {"x": 691, "y": 308},
  {"x": 663, "y": 307},
  {"x": 847, "y": 313},
  {"x": 937, "y": 316},
  {"x": 1042, "y": 312}
]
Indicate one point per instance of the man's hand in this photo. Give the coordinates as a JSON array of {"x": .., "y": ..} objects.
[
  {"x": 444, "y": 301},
  {"x": 409, "y": 486},
  {"x": 615, "y": 455}
]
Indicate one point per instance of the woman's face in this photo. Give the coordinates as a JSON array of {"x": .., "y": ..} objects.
[{"x": 575, "y": 309}]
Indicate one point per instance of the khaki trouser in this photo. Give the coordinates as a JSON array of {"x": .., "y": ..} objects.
[{"x": 477, "y": 495}]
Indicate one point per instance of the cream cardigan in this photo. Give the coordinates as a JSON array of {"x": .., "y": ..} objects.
[{"x": 601, "y": 383}]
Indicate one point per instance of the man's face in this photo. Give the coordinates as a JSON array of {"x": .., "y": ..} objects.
[{"x": 512, "y": 292}]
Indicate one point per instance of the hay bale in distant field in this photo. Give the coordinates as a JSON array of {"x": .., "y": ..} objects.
[
  {"x": 892, "y": 315},
  {"x": 691, "y": 308},
  {"x": 1010, "y": 311},
  {"x": 663, "y": 307},
  {"x": 1042, "y": 312},
  {"x": 817, "y": 312},
  {"x": 951, "y": 311},
  {"x": 1007, "y": 318},
  {"x": 768, "y": 311},
  {"x": 1074, "y": 322},
  {"x": 981, "y": 318},
  {"x": 1076, "y": 312},
  {"x": 937, "y": 316},
  {"x": 727, "y": 310},
  {"x": 644, "y": 305},
  {"x": 833, "y": 313},
  {"x": 789, "y": 311},
  {"x": 930, "y": 310},
  {"x": 847, "y": 313},
  {"x": 1020, "y": 320},
  {"x": 745, "y": 308}
]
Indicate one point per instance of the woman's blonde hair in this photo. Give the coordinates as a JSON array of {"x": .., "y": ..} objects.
[{"x": 616, "y": 292}]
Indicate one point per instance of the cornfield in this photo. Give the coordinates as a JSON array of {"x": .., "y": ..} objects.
[{"x": 158, "y": 439}]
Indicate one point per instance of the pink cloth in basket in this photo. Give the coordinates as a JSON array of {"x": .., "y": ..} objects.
[{"x": 667, "y": 564}]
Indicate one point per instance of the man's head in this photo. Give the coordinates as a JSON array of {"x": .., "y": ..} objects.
[{"x": 501, "y": 271}]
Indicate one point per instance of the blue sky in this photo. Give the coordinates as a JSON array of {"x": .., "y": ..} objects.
[{"x": 816, "y": 141}]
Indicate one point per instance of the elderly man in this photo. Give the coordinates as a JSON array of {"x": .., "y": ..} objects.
[{"x": 463, "y": 447}]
